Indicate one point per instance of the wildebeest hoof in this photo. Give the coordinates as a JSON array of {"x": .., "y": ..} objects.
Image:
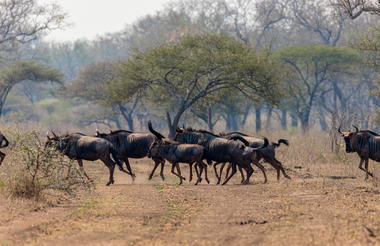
[
  {"x": 208, "y": 181},
  {"x": 288, "y": 177}
]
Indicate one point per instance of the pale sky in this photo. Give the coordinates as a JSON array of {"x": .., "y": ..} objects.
[{"x": 97, "y": 17}]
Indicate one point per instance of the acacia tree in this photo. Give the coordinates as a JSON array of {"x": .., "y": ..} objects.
[
  {"x": 175, "y": 76},
  {"x": 89, "y": 86},
  {"x": 311, "y": 68},
  {"x": 20, "y": 71}
]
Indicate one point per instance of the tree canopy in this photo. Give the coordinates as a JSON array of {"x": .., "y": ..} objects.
[{"x": 176, "y": 75}]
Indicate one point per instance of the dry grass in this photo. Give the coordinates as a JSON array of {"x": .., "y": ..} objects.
[{"x": 327, "y": 202}]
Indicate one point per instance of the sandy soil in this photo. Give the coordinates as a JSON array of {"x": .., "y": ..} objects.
[{"x": 310, "y": 209}]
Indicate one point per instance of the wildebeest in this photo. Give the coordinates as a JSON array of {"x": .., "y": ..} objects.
[
  {"x": 176, "y": 153},
  {"x": 132, "y": 145},
  {"x": 220, "y": 150},
  {"x": 161, "y": 139},
  {"x": 78, "y": 146},
  {"x": 267, "y": 153},
  {"x": 364, "y": 142},
  {"x": 6, "y": 143}
]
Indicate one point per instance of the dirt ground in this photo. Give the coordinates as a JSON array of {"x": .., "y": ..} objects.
[{"x": 319, "y": 206}]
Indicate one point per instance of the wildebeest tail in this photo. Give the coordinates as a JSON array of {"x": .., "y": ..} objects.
[
  {"x": 6, "y": 142},
  {"x": 158, "y": 135},
  {"x": 279, "y": 142},
  {"x": 245, "y": 142},
  {"x": 114, "y": 156}
]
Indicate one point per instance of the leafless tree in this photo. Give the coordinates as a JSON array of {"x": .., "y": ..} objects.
[{"x": 354, "y": 8}]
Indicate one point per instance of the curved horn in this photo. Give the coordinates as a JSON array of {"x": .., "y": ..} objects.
[
  {"x": 356, "y": 128},
  {"x": 158, "y": 135},
  {"x": 340, "y": 130},
  {"x": 53, "y": 133}
]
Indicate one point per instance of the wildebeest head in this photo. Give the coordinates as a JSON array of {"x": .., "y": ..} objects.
[
  {"x": 154, "y": 149},
  {"x": 188, "y": 135},
  {"x": 58, "y": 142},
  {"x": 354, "y": 139}
]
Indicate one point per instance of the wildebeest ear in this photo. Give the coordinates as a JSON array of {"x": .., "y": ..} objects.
[
  {"x": 110, "y": 131},
  {"x": 97, "y": 132},
  {"x": 179, "y": 130}
]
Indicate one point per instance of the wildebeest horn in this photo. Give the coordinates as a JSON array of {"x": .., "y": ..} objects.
[
  {"x": 53, "y": 133},
  {"x": 340, "y": 130},
  {"x": 356, "y": 128},
  {"x": 158, "y": 135}
]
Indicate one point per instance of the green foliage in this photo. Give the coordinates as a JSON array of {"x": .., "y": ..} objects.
[
  {"x": 319, "y": 55},
  {"x": 178, "y": 74},
  {"x": 20, "y": 71}
]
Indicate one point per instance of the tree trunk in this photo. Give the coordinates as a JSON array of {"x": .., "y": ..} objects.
[
  {"x": 245, "y": 116},
  {"x": 258, "y": 118},
  {"x": 128, "y": 116},
  {"x": 283, "y": 119},
  {"x": 172, "y": 125},
  {"x": 304, "y": 117},
  {"x": 294, "y": 120},
  {"x": 269, "y": 119},
  {"x": 209, "y": 119},
  {"x": 322, "y": 122}
]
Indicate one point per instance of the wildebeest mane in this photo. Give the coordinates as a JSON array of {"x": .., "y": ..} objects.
[
  {"x": 230, "y": 133},
  {"x": 119, "y": 131},
  {"x": 245, "y": 142}
]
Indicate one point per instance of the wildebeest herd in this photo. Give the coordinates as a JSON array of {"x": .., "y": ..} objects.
[{"x": 192, "y": 146}]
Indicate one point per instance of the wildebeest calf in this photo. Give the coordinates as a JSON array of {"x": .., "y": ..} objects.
[{"x": 175, "y": 153}]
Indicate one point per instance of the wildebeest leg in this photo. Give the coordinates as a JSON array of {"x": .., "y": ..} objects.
[
  {"x": 154, "y": 169},
  {"x": 205, "y": 167},
  {"x": 232, "y": 174},
  {"x": 262, "y": 170},
  {"x": 162, "y": 170},
  {"x": 361, "y": 167},
  {"x": 80, "y": 162},
  {"x": 2, "y": 156},
  {"x": 199, "y": 174},
  {"x": 278, "y": 166},
  {"x": 249, "y": 170},
  {"x": 178, "y": 170},
  {"x": 111, "y": 166},
  {"x": 129, "y": 169},
  {"x": 242, "y": 174},
  {"x": 366, "y": 169},
  {"x": 227, "y": 170},
  {"x": 191, "y": 172},
  {"x": 216, "y": 171}
]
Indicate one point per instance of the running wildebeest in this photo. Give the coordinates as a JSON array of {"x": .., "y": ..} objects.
[
  {"x": 3, "y": 139},
  {"x": 132, "y": 145},
  {"x": 78, "y": 146},
  {"x": 159, "y": 136},
  {"x": 268, "y": 153},
  {"x": 364, "y": 142},
  {"x": 175, "y": 153},
  {"x": 220, "y": 150}
]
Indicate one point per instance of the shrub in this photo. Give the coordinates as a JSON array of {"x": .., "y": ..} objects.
[{"x": 36, "y": 170}]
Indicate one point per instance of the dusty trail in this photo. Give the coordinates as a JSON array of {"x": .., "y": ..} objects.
[{"x": 307, "y": 210}]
